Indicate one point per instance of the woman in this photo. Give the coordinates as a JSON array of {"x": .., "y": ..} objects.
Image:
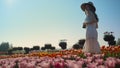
[{"x": 91, "y": 23}]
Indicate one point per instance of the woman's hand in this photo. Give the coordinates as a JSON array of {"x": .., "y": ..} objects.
[{"x": 84, "y": 25}]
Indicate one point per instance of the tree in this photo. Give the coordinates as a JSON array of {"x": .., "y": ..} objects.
[
  {"x": 118, "y": 41},
  {"x": 112, "y": 42},
  {"x": 15, "y": 48},
  {"x": 42, "y": 48},
  {"x": 63, "y": 44},
  {"x": 52, "y": 48},
  {"x": 47, "y": 46},
  {"x": 108, "y": 37},
  {"x": 19, "y": 48},
  {"x": 36, "y": 47},
  {"x": 4, "y": 46},
  {"x": 76, "y": 46},
  {"x": 31, "y": 49},
  {"x": 26, "y": 50},
  {"x": 81, "y": 43}
]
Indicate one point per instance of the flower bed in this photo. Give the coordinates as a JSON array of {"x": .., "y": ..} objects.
[{"x": 109, "y": 58}]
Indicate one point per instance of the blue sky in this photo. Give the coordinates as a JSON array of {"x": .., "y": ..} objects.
[{"x": 36, "y": 22}]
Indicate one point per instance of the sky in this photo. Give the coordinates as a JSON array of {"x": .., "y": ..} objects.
[{"x": 36, "y": 22}]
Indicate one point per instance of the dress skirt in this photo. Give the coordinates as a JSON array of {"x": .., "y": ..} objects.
[{"x": 91, "y": 44}]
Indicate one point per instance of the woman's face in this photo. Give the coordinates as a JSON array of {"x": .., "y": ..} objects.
[{"x": 87, "y": 7}]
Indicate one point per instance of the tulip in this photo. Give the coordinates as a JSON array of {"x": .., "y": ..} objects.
[
  {"x": 45, "y": 64},
  {"x": 80, "y": 62},
  {"x": 70, "y": 63},
  {"x": 88, "y": 54},
  {"x": 88, "y": 60},
  {"x": 77, "y": 58},
  {"x": 92, "y": 65},
  {"x": 23, "y": 64},
  {"x": 65, "y": 56},
  {"x": 4, "y": 66},
  {"x": 110, "y": 63},
  {"x": 76, "y": 66},
  {"x": 57, "y": 65},
  {"x": 97, "y": 56},
  {"x": 38, "y": 67},
  {"x": 102, "y": 66},
  {"x": 118, "y": 61},
  {"x": 30, "y": 65},
  {"x": 110, "y": 58},
  {"x": 99, "y": 61}
]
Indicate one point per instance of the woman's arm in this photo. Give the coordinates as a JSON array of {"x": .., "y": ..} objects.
[
  {"x": 91, "y": 22},
  {"x": 85, "y": 23}
]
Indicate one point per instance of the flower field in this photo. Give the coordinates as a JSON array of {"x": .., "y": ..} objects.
[{"x": 108, "y": 58}]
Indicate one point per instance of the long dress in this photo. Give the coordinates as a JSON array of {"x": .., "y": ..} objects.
[{"x": 91, "y": 44}]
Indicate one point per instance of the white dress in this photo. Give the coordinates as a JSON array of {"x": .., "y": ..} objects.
[{"x": 91, "y": 44}]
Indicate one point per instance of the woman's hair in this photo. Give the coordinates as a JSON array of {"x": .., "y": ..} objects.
[{"x": 94, "y": 13}]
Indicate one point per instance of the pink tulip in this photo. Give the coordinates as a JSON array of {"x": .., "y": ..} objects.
[
  {"x": 45, "y": 64},
  {"x": 76, "y": 66},
  {"x": 62, "y": 64},
  {"x": 65, "y": 56},
  {"x": 12, "y": 65},
  {"x": 110, "y": 63},
  {"x": 57, "y": 65},
  {"x": 110, "y": 58},
  {"x": 23, "y": 64},
  {"x": 30, "y": 65},
  {"x": 80, "y": 63},
  {"x": 57, "y": 60},
  {"x": 69, "y": 56},
  {"x": 70, "y": 63},
  {"x": 88, "y": 60},
  {"x": 4, "y": 66},
  {"x": 38, "y": 67},
  {"x": 92, "y": 65},
  {"x": 88, "y": 54},
  {"x": 99, "y": 61},
  {"x": 118, "y": 61},
  {"x": 77, "y": 58},
  {"x": 102, "y": 55},
  {"x": 74, "y": 56},
  {"x": 102, "y": 66},
  {"x": 97, "y": 56}
]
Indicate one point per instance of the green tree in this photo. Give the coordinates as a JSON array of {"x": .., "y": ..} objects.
[
  {"x": 48, "y": 46},
  {"x": 108, "y": 37},
  {"x": 26, "y": 50},
  {"x": 52, "y": 48},
  {"x": 42, "y": 48},
  {"x": 76, "y": 46},
  {"x": 15, "y": 48},
  {"x": 63, "y": 44},
  {"x": 20, "y": 48},
  {"x": 81, "y": 43},
  {"x": 36, "y": 47},
  {"x": 4, "y": 46}
]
